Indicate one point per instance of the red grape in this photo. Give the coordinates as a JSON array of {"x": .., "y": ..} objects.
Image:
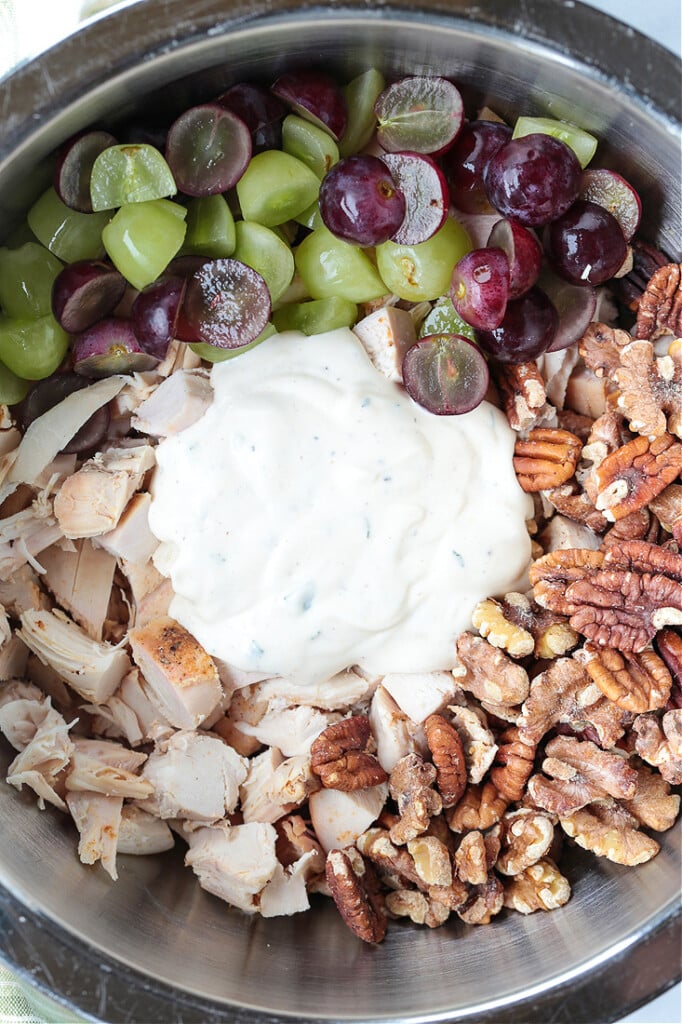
[
  {"x": 426, "y": 196},
  {"x": 575, "y": 305},
  {"x": 360, "y": 202},
  {"x": 480, "y": 287},
  {"x": 155, "y": 314},
  {"x": 523, "y": 251},
  {"x": 208, "y": 149},
  {"x": 260, "y": 110},
  {"x": 616, "y": 195},
  {"x": 586, "y": 245},
  {"x": 446, "y": 374},
  {"x": 527, "y": 329},
  {"x": 84, "y": 292},
  {"x": 533, "y": 179},
  {"x": 74, "y": 167},
  {"x": 227, "y": 304},
  {"x": 109, "y": 347},
  {"x": 465, "y": 164},
  {"x": 316, "y": 97}
]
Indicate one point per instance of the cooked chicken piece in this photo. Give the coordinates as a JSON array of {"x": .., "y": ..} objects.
[
  {"x": 22, "y": 709},
  {"x": 339, "y": 818},
  {"x": 234, "y": 678},
  {"x": 89, "y": 772},
  {"x": 108, "y": 752},
  {"x": 98, "y": 820},
  {"x": 22, "y": 591},
  {"x": 386, "y": 336},
  {"x": 234, "y": 862},
  {"x": 81, "y": 583},
  {"x": 232, "y": 734},
  {"x": 155, "y": 605},
  {"x": 50, "y": 682},
  {"x": 9, "y": 439},
  {"x": 420, "y": 694},
  {"x": 25, "y": 535},
  {"x": 142, "y": 834},
  {"x": 41, "y": 735},
  {"x": 194, "y": 776},
  {"x": 565, "y": 533},
  {"x": 275, "y": 786},
  {"x": 178, "y": 402},
  {"x": 179, "y": 673},
  {"x": 135, "y": 693},
  {"x": 93, "y": 669},
  {"x": 556, "y": 369},
  {"x": 178, "y": 357},
  {"x": 337, "y": 693},
  {"x": 91, "y": 502},
  {"x": 586, "y": 393},
  {"x": 13, "y": 658},
  {"x": 143, "y": 578},
  {"x": 391, "y": 730},
  {"x": 291, "y": 730},
  {"x": 286, "y": 892},
  {"x": 131, "y": 539},
  {"x": 5, "y": 628},
  {"x": 55, "y": 472}
]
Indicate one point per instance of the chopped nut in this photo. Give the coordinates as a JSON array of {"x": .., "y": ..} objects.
[
  {"x": 601, "y": 346},
  {"x": 581, "y": 773},
  {"x": 392, "y": 862},
  {"x": 431, "y": 860},
  {"x": 660, "y": 308},
  {"x": 670, "y": 648},
  {"x": 659, "y": 743},
  {"x": 527, "y": 835},
  {"x": 653, "y": 804},
  {"x": 479, "y": 808},
  {"x": 637, "y": 526},
  {"x": 635, "y": 682},
  {"x": 540, "y": 887},
  {"x": 578, "y": 507},
  {"x": 624, "y": 609},
  {"x": 551, "y": 633},
  {"x": 471, "y": 859},
  {"x": 610, "y": 831},
  {"x": 650, "y": 390},
  {"x": 552, "y": 574},
  {"x": 411, "y": 786},
  {"x": 546, "y": 459},
  {"x": 513, "y": 765},
  {"x": 490, "y": 620},
  {"x": 339, "y": 757},
  {"x": 360, "y": 912},
  {"x": 448, "y": 756},
  {"x": 478, "y": 741},
  {"x": 484, "y": 902},
  {"x": 522, "y": 390},
  {"x": 420, "y": 908},
  {"x": 635, "y": 473},
  {"x": 667, "y": 507},
  {"x": 488, "y": 673}
]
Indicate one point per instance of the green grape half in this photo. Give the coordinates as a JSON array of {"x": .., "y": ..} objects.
[
  {"x": 32, "y": 349},
  {"x": 26, "y": 278},
  {"x": 423, "y": 271},
  {"x": 316, "y": 316},
  {"x": 444, "y": 319},
  {"x": 331, "y": 267},
  {"x": 276, "y": 187},
  {"x": 130, "y": 173},
  {"x": 213, "y": 354},
  {"x": 309, "y": 144},
  {"x": 70, "y": 235},
  {"x": 142, "y": 239},
  {"x": 263, "y": 251},
  {"x": 581, "y": 142},
  {"x": 13, "y": 389},
  {"x": 210, "y": 228},
  {"x": 361, "y": 95}
]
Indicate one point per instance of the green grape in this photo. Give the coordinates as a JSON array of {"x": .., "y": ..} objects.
[
  {"x": 210, "y": 228},
  {"x": 13, "y": 389},
  {"x": 276, "y": 187},
  {"x": 32, "y": 349},
  {"x": 142, "y": 239},
  {"x": 70, "y": 235},
  {"x": 423, "y": 271},
  {"x": 331, "y": 267},
  {"x": 266, "y": 253},
  {"x": 26, "y": 278},
  {"x": 311, "y": 218},
  {"x": 130, "y": 173},
  {"x": 309, "y": 144},
  {"x": 581, "y": 142},
  {"x": 317, "y": 316},
  {"x": 444, "y": 319},
  {"x": 213, "y": 354},
  {"x": 361, "y": 95}
]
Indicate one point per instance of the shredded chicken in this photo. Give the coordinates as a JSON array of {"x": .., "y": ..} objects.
[
  {"x": 98, "y": 820},
  {"x": 234, "y": 862},
  {"x": 177, "y": 403}
]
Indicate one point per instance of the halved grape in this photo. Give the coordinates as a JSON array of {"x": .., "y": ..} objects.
[
  {"x": 329, "y": 266},
  {"x": 48, "y": 393},
  {"x": 275, "y": 188},
  {"x": 210, "y": 228},
  {"x": 576, "y": 306},
  {"x": 218, "y": 355},
  {"x": 360, "y": 202},
  {"x": 581, "y": 142},
  {"x": 26, "y": 278},
  {"x": 616, "y": 195},
  {"x": 311, "y": 145},
  {"x": 154, "y": 314},
  {"x": 109, "y": 347},
  {"x": 70, "y": 235},
  {"x": 310, "y": 217},
  {"x": 142, "y": 239},
  {"x": 465, "y": 163},
  {"x": 74, "y": 168},
  {"x": 316, "y": 316},
  {"x": 13, "y": 389},
  {"x": 84, "y": 292},
  {"x": 444, "y": 319},
  {"x": 426, "y": 195},
  {"x": 261, "y": 112},
  {"x": 533, "y": 179},
  {"x": 208, "y": 149},
  {"x": 422, "y": 114},
  {"x": 419, "y": 272},
  {"x": 268, "y": 255},
  {"x": 316, "y": 97},
  {"x": 586, "y": 245},
  {"x": 226, "y": 304},
  {"x": 480, "y": 287},
  {"x": 32, "y": 349},
  {"x": 361, "y": 95},
  {"x": 446, "y": 373},
  {"x": 527, "y": 329},
  {"x": 523, "y": 251},
  {"x": 129, "y": 173}
]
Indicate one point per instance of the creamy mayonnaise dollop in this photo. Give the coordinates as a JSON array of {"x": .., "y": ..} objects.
[{"x": 315, "y": 517}]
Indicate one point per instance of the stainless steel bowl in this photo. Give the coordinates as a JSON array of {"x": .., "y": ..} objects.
[{"x": 153, "y": 947}]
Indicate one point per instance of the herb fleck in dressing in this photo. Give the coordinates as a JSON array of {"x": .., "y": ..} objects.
[{"x": 315, "y": 517}]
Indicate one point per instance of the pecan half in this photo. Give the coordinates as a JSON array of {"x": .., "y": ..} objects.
[
  {"x": 653, "y": 804},
  {"x": 351, "y": 895},
  {"x": 479, "y": 808},
  {"x": 552, "y": 574},
  {"x": 411, "y": 786},
  {"x": 488, "y": 673},
  {"x": 522, "y": 390},
  {"x": 636, "y": 682},
  {"x": 547, "y": 458},
  {"x": 527, "y": 835},
  {"x": 667, "y": 507},
  {"x": 478, "y": 741},
  {"x": 669, "y": 645},
  {"x": 513, "y": 764},
  {"x": 646, "y": 259},
  {"x": 540, "y": 887},
  {"x": 660, "y": 308},
  {"x": 471, "y": 859},
  {"x": 339, "y": 757},
  {"x": 650, "y": 389},
  {"x": 578, "y": 507},
  {"x": 601, "y": 346},
  {"x": 659, "y": 743},
  {"x": 448, "y": 756},
  {"x": 640, "y": 525},
  {"x": 635, "y": 473},
  {"x": 484, "y": 902},
  {"x": 624, "y": 609},
  {"x": 581, "y": 773},
  {"x": 610, "y": 831},
  {"x": 641, "y": 556}
]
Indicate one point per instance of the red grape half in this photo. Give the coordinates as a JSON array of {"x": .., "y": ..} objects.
[
  {"x": 226, "y": 304},
  {"x": 446, "y": 374},
  {"x": 423, "y": 185},
  {"x": 208, "y": 149}
]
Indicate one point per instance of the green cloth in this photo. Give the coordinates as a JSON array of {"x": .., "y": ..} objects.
[{"x": 14, "y": 1007}]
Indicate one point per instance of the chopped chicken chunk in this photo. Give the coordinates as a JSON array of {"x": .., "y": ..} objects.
[
  {"x": 179, "y": 673},
  {"x": 565, "y": 533},
  {"x": 41, "y": 736},
  {"x": 142, "y": 834},
  {"x": 339, "y": 818},
  {"x": 177, "y": 403},
  {"x": 286, "y": 893},
  {"x": 93, "y": 669},
  {"x": 131, "y": 539},
  {"x": 291, "y": 730},
  {"x": 275, "y": 786},
  {"x": 194, "y": 776},
  {"x": 155, "y": 604},
  {"x": 386, "y": 336},
  {"x": 98, "y": 820},
  {"x": 22, "y": 591},
  {"x": 391, "y": 730},
  {"x": 420, "y": 694},
  {"x": 81, "y": 581},
  {"x": 339, "y": 692},
  {"x": 91, "y": 502},
  {"x": 103, "y": 767},
  {"x": 234, "y": 862},
  {"x": 24, "y": 536}
]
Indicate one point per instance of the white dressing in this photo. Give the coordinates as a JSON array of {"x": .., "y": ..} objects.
[{"x": 315, "y": 517}]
